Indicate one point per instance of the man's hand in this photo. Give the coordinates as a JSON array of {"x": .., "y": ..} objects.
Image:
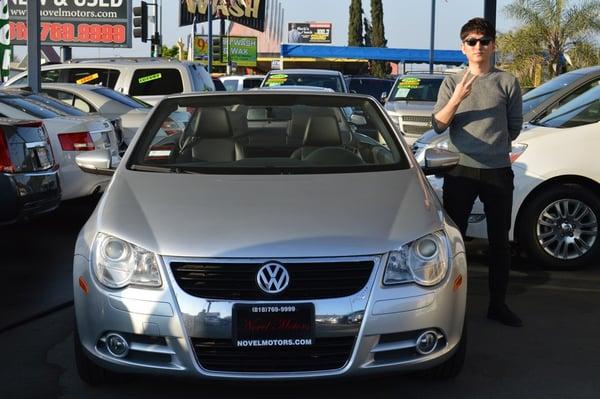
[{"x": 462, "y": 90}]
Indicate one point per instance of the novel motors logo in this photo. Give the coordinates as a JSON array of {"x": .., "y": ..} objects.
[{"x": 272, "y": 278}]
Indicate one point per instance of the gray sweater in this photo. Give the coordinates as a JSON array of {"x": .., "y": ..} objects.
[{"x": 486, "y": 121}]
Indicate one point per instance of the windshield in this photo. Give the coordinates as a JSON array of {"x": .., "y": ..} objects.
[
  {"x": 410, "y": 88},
  {"x": 55, "y": 105},
  {"x": 332, "y": 82},
  {"x": 582, "y": 110},
  {"x": 535, "y": 97},
  {"x": 29, "y": 107},
  {"x": 121, "y": 98},
  {"x": 268, "y": 134}
]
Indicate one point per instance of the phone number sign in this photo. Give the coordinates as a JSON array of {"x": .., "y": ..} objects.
[{"x": 77, "y": 23}]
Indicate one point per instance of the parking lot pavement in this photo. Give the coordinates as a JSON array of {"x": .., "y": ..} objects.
[{"x": 37, "y": 260}]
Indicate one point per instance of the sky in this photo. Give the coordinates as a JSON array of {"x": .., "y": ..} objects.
[{"x": 407, "y": 23}]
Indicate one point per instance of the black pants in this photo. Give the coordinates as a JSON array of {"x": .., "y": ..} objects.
[{"x": 494, "y": 187}]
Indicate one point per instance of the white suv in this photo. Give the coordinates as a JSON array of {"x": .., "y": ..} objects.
[{"x": 149, "y": 79}]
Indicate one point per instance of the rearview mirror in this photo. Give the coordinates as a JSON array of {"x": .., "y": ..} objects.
[
  {"x": 438, "y": 160},
  {"x": 358, "y": 120},
  {"x": 383, "y": 97},
  {"x": 97, "y": 162}
]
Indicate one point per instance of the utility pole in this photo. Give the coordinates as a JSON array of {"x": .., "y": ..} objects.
[
  {"x": 489, "y": 13},
  {"x": 210, "y": 35}
]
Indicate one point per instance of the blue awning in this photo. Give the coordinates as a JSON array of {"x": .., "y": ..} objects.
[{"x": 451, "y": 57}]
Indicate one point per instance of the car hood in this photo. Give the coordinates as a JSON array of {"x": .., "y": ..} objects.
[
  {"x": 414, "y": 106},
  {"x": 272, "y": 216}
]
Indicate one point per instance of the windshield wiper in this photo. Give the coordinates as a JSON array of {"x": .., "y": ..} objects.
[{"x": 159, "y": 169}]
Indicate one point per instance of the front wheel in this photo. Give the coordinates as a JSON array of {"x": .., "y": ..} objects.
[{"x": 559, "y": 227}]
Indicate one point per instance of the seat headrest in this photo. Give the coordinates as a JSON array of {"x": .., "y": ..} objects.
[
  {"x": 322, "y": 131},
  {"x": 214, "y": 124}
]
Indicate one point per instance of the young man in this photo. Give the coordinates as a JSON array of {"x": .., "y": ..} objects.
[{"x": 482, "y": 106}]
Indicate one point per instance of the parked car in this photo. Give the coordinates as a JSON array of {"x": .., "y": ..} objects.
[
  {"x": 29, "y": 183},
  {"x": 149, "y": 79},
  {"x": 69, "y": 136},
  {"x": 333, "y": 80},
  {"x": 242, "y": 82},
  {"x": 556, "y": 202},
  {"x": 536, "y": 103},
  {"x": 410, "y": 103},
  {"x": 204, "y": 234},
  {"x": 370, "y": 85},
  {"x": 219, "y": 86},
  {"x": 64, "y": 108}
]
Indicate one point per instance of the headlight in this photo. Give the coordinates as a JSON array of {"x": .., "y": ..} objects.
[
  {"x": 117, "y": 263},
  {"x": 424, "y": 261}
]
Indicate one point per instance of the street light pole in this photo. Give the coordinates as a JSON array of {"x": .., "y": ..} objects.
[
  {"x": 432, "y": 36},
  {"x": 210, "y": 34}
]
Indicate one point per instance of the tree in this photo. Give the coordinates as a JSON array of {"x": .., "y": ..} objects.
[
  {"x": 378, "y": 68},
  {"x": 368, "y": 33},
  {"x": 559, "y": 27},
  {"x": 520, "y": 53},
  {"x": 355, "y": 32}
]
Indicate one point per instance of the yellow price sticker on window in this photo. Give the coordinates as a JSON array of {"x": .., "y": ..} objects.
[
  {"x": 409, "y": 83},
  {"x": 149, "y": 78},
  {"x": 88, "y": 78}
]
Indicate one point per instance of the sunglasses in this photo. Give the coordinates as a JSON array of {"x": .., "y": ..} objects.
[{"x": 472, "y": 42}]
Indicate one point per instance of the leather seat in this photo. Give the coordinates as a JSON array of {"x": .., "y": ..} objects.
[
  {"x": 321, "y": 131},
  {"x": 214, "y": 140}
]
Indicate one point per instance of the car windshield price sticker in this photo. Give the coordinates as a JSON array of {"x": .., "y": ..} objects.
[
  {"x": 146, "y": 79},
  {"x": 277, "y": 80},
  {"x": 409, "y": 83},
  {"x": 88, "y": 78},
  {"x": 273, "y": 325}
]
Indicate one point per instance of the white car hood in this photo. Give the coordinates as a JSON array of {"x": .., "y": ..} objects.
[{"x": 268, "y": 216}]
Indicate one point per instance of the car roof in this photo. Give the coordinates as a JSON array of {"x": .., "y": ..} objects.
[
  {"x": 272, "y": 93},
  {"x": 305, "y": 71},
  {"x": 294, "y": 88},
  {"x": 237, "y": 77},
  {"x": 424, "y": 75}
]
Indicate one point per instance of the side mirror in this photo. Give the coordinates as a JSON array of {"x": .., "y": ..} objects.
[
  {"x": 358, "y": 120},
  {"x": 438, "y": 161},
  {"x": 97, "y": 162},
  {"x": 383, "y": 97}
]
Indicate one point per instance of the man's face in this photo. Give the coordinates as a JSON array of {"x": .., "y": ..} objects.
[{"x": 477, "y": 47}]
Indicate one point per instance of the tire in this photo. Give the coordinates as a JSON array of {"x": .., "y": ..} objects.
[
  {"x": 559, "y": 227},
  {"x": 452, "y": 367},
  {"x": 88, "y": 371}
]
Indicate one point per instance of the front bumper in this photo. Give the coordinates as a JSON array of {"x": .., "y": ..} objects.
[{"x": 167, "y": 327}]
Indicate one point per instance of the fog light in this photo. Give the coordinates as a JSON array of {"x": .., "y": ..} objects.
[
  {"x": 117, "y": 345},
  {"x": 427, "y": 342}
]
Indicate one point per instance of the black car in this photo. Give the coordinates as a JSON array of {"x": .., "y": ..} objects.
[
  {"x": 29, "y": 183},
  {"x": 369, "y": 85}
]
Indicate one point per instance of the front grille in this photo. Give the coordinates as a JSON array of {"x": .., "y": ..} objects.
[
  {"x": 237, "y": 281},
  {"x": 416, "y": 118},
  {"x": 324, "y": 354},
  {"x": 413, "y": 129}
]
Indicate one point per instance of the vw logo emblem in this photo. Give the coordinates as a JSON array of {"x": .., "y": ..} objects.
[{"x": 272, "y": 278}]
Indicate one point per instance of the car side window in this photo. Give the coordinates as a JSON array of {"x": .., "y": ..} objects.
[
  {"x": 103, "y": 76},
  {"x": 47, "y": 77},
  {"x": 66, "y": 98},
  {"x": 251, "y": 83},
  {"x": 83, "y": 105},
  {"x": 153, "y": 82}
]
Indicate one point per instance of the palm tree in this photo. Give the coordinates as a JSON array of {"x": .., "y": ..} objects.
[{"x": 558, "y": 26}]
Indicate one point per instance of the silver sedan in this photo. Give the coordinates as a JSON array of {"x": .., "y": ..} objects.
[{"x": 275, "y": 237}]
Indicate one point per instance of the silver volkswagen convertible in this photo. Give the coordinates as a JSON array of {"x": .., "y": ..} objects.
[{"x": 278, "y": 235}]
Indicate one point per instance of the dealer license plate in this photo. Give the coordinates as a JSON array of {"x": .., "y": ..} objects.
[{"x": 261, "y": 325}]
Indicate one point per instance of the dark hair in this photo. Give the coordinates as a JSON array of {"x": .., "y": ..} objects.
[{"x": 478, "y": 25}]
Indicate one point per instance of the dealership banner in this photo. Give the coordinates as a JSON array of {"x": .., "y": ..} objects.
[
  {"x": 243, "y": 50},
  {"x": 250, "y": 13},
  {"x": 77, "y": 23},
  {"x": 309, "y": 32},
  {"x": 5, "y": 48}
]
